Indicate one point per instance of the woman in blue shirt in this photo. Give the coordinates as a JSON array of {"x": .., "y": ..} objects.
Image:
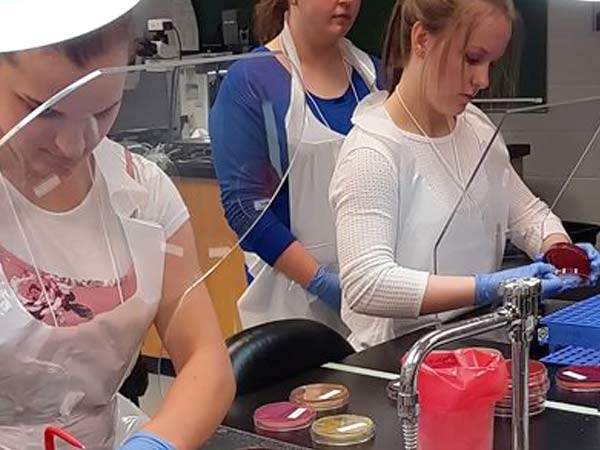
[{"x": 310, "y": 109}]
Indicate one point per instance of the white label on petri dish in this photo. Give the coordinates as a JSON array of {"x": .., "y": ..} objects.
[
  {"x": 297, "y": 413},
  {"x": 330, "y": 394},
  {"x": 353, "y": 427},
  {"x": 574, "y": 375}
]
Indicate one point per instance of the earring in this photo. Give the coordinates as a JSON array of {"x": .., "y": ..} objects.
[{"x": 420, "y": 52}]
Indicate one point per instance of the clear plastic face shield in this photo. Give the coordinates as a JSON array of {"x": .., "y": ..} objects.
[
  {"x": 517, "y": 200},
  {"x": 111, "y": 220}
]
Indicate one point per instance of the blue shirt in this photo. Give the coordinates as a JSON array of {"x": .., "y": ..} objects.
[{"x": 249, "y": 147}]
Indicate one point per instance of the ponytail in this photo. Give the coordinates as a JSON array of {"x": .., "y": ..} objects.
[
  {"x": 396, "y": 48},
  {"x": 268, "y": 19}
]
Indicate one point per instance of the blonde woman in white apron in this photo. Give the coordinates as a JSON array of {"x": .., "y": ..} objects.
[
  {"x": 296, "y": 269},
  {"x": 85, "y": 233},
  {"x": 405, "y": 165}
]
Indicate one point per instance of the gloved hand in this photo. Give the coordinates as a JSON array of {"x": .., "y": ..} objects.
[
  {"x": 487, "y": 284},
  {"x": 326, "y": 286},
  {"x": 594, "y": 257},
  {"x": 146, "y": 441}
]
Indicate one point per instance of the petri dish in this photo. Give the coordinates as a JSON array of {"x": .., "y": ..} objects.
[
  {"x": 579, "y": 378},
  {"x": 538, "y": 373},
  {"x": 342, "y": 430},
  {"x": 569, "y": 259},
  {"x": 322, "y": 397},
  {"x": 283, "y": 417}
]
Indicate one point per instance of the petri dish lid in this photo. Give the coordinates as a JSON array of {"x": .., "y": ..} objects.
[
  {"x": 321, "y": 396},
  {"x": 507, "y": 403},
  {"x": 534, "y": 388},
  {"x": 582, "y": 374},
  {"x": 342, "y": 430},
  {"x": 283, "y": 417},
  {"x": 507, "y": 412},
  {"x": 569, "y": 259},
  {"x": 537, "y": 372},
  {"x": 579, "y": 378}
]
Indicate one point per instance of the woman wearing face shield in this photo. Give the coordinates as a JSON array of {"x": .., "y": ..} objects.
[
  {"x": 95, "y": 246},
  {"x": 406, "y": 164},
  {"x": 311, "y": 106}
]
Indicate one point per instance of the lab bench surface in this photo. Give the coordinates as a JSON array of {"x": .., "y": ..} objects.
[{"x": 552, "y": 430}]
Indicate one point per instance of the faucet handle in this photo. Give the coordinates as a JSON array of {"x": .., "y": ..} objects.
[
  {"x": 522, "y": 294},
  {"x": 521, "y": 300}
]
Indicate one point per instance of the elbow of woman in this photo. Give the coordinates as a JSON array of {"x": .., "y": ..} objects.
[
  {"x": 356, "y": 294},
  {"x": 357, "y": 306},
  {"x": 365, "y": 294}
]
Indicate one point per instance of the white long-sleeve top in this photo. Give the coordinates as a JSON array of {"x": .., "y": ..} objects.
[{"x": 381, "y": 219}]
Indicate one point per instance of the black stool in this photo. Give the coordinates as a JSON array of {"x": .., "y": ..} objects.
[{"x": 290, "y": 346}]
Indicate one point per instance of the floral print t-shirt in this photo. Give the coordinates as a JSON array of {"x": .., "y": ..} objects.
[{"x": 59, "y": 301}]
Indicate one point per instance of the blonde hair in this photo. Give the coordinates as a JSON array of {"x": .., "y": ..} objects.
[{"x": 439, "y": 17}]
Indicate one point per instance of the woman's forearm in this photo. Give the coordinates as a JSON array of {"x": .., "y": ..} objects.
[
  {"x": 445, "y": 293},
  {"x": 297, "y": 264},
  {"x": 196, "y": 402}
]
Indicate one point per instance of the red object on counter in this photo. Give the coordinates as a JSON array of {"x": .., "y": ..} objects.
[
  {"x": 51, "y": 433},
  {"x": 457, "y": 391}
]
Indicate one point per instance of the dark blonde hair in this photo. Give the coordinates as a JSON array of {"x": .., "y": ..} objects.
[
  {"x": 439, "y": 17},
  {"x": 268, "y": 19}
]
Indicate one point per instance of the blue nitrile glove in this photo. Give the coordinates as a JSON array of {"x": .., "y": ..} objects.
[
  {"x": 146, "y": 441},
  {"x": 326, "y": 286},
  {"x": 594, "y": 257},
  {"x": 487, "y": 284},
  {"x": 539, "y": 258}
]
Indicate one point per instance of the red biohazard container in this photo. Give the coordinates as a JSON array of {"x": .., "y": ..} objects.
[{"x": 457, "y": 393}]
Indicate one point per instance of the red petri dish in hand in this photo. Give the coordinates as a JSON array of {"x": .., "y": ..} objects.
[{"x": 569, "y": 259}]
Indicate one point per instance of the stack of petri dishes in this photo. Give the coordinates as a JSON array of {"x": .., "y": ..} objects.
[
  {"x": 538, "y": 388},
  {"x": 324, "y": 398}
]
